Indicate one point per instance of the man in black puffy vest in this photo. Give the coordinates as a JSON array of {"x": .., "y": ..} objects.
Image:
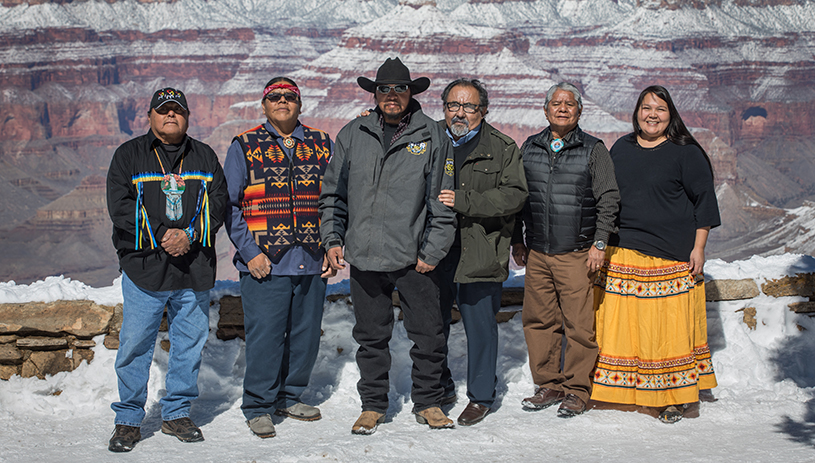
[{"x": 566, "y": 222}]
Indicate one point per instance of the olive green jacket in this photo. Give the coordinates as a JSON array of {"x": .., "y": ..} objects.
[{"x": 491, "y": 188}]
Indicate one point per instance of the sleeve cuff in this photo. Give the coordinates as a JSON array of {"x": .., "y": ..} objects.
[
  {"x": 602, "y": 235},
  {"x": 249, "y": 254},
  {"x": 332, "y": 244}
]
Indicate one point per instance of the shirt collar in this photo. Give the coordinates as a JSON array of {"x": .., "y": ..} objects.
[
  {"x": 298, "y": 133},
  {"x": 470, "y": 135}
]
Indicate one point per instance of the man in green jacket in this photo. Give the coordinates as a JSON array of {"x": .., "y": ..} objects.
[{"x": 490, "y": 187}]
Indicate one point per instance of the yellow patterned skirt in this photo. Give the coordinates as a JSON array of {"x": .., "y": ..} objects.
[{"x": 652, "y": 332}]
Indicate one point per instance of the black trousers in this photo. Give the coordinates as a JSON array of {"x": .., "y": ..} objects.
[{"x": 373, "y": 308}]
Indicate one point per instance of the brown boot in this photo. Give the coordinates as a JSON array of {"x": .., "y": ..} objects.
[
  {"x": 543, "y": 398},
  {"x": 367, "y": 422},
  {"x": 571, "y": 406},
  {"x": 434, "y": 417}
]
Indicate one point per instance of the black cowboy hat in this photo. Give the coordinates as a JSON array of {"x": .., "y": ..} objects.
[{"x": 394, "y": 72}]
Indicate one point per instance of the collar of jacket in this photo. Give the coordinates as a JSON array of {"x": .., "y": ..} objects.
[
  {"x": 483, "y": 146},
  {"x": 573, "y": 138}
]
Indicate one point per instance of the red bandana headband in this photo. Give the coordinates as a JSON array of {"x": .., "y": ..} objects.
[{"x": 283, "y": 85}]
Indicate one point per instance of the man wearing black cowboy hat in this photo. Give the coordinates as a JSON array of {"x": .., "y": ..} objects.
[{"x": 380, "y": 200}]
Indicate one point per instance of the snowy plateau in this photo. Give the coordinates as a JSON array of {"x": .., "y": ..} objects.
[{"x": 765, "y": 410}]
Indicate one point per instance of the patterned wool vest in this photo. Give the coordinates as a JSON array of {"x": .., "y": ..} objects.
[{"x": 279, "y": 202}]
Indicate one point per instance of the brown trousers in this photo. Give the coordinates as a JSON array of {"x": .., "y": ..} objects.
[{"x": 558, "y": 302}]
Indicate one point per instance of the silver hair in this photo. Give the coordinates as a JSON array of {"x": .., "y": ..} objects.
[{"x": 567, "y": 87}]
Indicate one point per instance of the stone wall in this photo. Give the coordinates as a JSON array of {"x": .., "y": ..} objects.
[
  {"x": 44, "y": 338},
  {"x": 39, "y": 339}
]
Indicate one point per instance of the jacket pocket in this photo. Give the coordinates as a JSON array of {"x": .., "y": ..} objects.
[
  {"x": 486, "y": 174},
  {"x": 481, "y": 254}
]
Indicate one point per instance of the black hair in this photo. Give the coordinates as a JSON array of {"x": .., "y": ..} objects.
[
  {"x": 483, "y": 98},
  {"x": 277, "y": 79}
]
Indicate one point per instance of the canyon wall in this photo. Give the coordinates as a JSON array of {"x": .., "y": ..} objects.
[{"x": 76, "y": 79}]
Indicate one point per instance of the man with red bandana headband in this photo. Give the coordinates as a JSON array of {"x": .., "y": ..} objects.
[{"x": 274, "y": 173}]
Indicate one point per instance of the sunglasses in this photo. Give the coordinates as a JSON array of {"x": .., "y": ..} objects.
[
  {"x": 385, "y": 89},
  {"x": 291, "y": 97},
  {"x": 469, "y": 108},
  {"x": 164, "y": 109}
]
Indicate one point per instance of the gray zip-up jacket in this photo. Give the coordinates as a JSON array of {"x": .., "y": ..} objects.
[{"x": 383, "y": 205}]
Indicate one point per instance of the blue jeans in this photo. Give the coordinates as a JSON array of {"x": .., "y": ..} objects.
[
  {"x": 282, "y": 317},
  {"x": 188, "y": 317},
  {"x": 478, "y": 304}
]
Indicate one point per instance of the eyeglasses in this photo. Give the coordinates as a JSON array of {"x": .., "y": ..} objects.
[
  {"x": 164, "y": 109},
  {"x": 291, "y": 97},
  {"x": 469, "y": 108},
  {"x": 385, "y": 89}
]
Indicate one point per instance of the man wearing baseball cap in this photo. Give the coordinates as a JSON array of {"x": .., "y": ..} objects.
[
  {"x": 166, "y": 196},
  {"x": 380, "y": 200}
]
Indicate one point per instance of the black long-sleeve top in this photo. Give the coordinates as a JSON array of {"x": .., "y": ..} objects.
[
  {"x": 146, "y": 263},
  {"x": 667, "y": 193}
]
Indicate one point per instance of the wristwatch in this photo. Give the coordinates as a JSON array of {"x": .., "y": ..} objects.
[{"x": 600, "y": 245}]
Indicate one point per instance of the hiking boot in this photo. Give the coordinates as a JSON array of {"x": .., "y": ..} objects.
[
  {"x": 184, "y": 429},
  {"x": 672, "y": 414},
  {"x": 300, "y": 411},
  {"x": 571, "y": 406},
  {"x": 124, "y": 438},
  {"x": 262, "y": 426},
  {"x": 543, "y": 398},
  {"x": 367, "y": 422},
  {"x": 434, "y": 417}
]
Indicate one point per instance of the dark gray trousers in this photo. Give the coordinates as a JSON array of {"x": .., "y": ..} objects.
[{"x": 373, "y": 308}]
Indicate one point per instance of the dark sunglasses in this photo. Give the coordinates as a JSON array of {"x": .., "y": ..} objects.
[
  {"x": 385, "y": 89},
  {"x": 291, "y": 97},
  {"x": 469, "y": 108},
  {"x": 164, "y": 109}
]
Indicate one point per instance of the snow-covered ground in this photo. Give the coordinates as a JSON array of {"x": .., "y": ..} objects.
[{"x": 765, "y": 411}]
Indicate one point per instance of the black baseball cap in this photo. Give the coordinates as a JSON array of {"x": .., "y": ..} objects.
[{"x": 165, "y": 95}]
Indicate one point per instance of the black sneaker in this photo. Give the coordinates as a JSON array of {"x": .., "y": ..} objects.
[
  {"x": 124, "y": 438},
  {"x": 184, "y": 429}
]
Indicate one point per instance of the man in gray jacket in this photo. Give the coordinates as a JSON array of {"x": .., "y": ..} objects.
[{"x": 380, "y": 200}]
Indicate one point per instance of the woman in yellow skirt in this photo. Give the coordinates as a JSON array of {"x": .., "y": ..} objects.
[{"x": 651, "y": 322}]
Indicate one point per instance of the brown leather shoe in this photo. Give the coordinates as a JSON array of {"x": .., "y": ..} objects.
[
  {"x": 367, "y": 422},
  {"x": 571, "y": 406},
  {"x": 434, "y": 417},
  {"x": 473, "y": 414},
  {"x": 543, "y": 398}
]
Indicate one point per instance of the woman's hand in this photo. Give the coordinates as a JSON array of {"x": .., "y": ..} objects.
[
  {"x": 697, "y": 261},
  {"x": 697, "y": 255}
]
